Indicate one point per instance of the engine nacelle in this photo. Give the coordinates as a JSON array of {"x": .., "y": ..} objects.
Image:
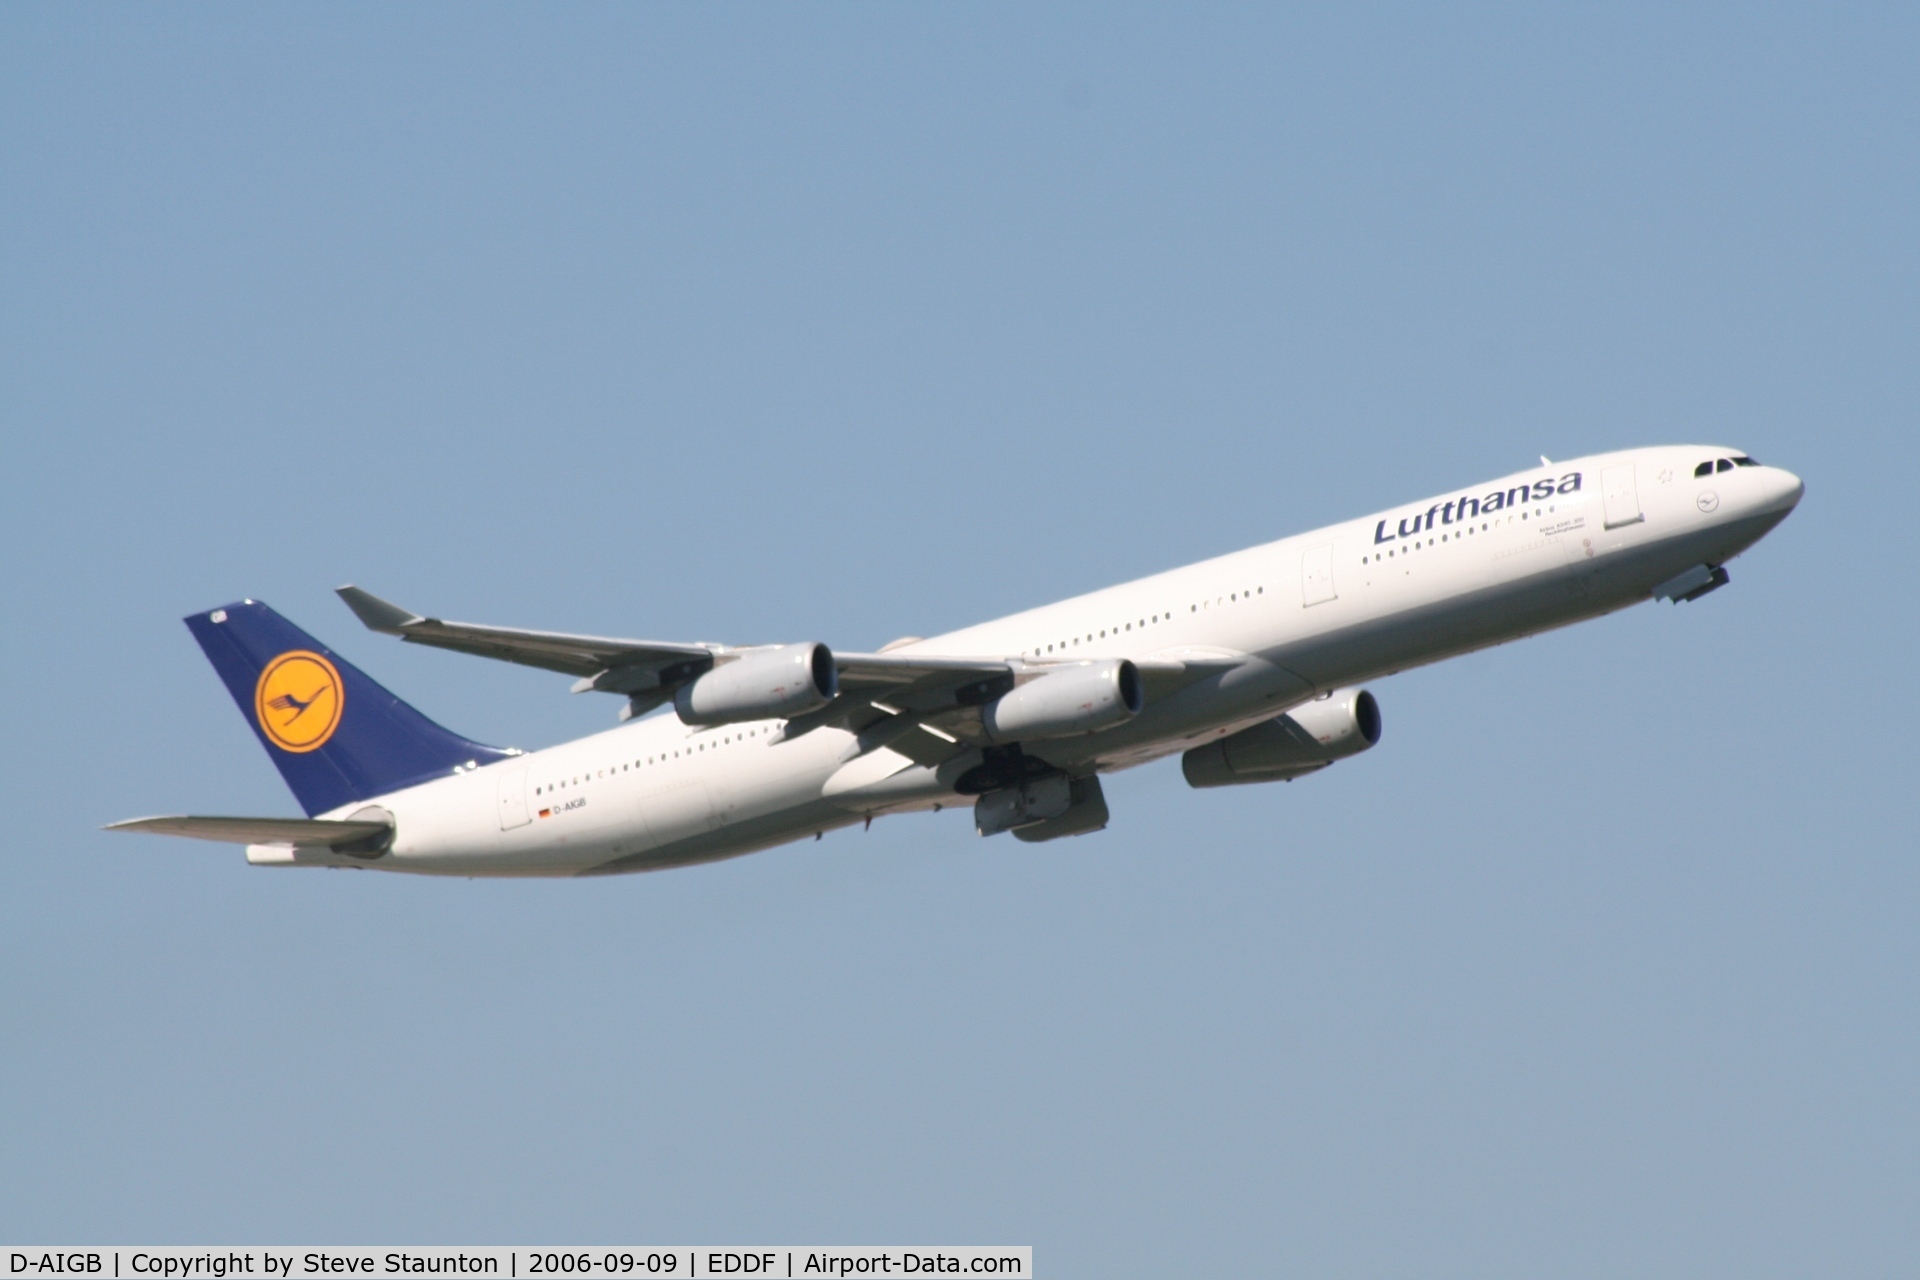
[
  {"x": 1309, "y": 737},
  {"x": 1073, "y": 700},
  {"x": 765, "y": 684}
]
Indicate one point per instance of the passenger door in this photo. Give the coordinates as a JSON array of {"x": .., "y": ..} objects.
[
  {"x": 1620, "y": 496},
  {"x": 1316, "y": 575},
  {"x": 510, "y": 794}
]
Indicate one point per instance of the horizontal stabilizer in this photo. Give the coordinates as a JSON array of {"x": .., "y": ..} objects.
[{"x": 316, "y": 833}]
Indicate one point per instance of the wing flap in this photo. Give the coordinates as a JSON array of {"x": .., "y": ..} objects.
[
  {"x": 880, "y": 673},
  {"x": 927, "y": 746},
  {"x": 1164, "y": 677}
]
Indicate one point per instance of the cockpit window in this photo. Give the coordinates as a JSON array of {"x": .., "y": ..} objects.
[
  {"x": 1742, "y": 460},
  {"x": 1723, "y": 465},
  {"x": 1704, "y": 469}
]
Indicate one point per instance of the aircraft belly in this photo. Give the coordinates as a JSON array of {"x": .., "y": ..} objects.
[
  {"x": 748, "y": 835},
  {"x": 682, "y": 808},
  {"x": 1564, "y": 587},
  {"x": 450, "y": 839}
]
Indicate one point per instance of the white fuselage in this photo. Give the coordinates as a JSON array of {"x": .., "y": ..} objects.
[{"x": 1277, "y": 625}]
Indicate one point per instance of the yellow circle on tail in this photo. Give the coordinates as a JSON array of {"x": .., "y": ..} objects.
[{"x": 298, "y": 701}]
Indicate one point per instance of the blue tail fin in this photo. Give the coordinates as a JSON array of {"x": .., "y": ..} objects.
[{"x": 335, "y": 735}]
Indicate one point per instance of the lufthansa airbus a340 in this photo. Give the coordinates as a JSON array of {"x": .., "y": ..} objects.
[{"x": 1250, "y": 665}]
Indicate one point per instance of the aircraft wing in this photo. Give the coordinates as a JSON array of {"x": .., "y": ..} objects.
[
  {"x": 912, "y": 691},
  {"x": 327, "y": 833},
  {"x": 648, "y": 670},
  {"x": 591, "y": 657}
]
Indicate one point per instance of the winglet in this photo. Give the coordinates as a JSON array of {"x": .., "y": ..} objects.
[{"x": 378, "y": 614}]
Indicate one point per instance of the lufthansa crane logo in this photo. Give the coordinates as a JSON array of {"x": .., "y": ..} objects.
[{"x": 298, "y": 701}]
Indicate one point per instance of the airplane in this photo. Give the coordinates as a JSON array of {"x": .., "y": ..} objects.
[{"x": 1251, "y": 666}]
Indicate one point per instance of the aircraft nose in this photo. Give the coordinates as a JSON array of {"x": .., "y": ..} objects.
[{"x": 1785, "y": 490}]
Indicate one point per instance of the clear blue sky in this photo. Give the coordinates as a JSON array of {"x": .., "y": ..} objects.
[{"x": 796, "y": 323}]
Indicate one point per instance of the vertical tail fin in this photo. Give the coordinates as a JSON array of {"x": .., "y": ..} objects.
[{"x": 336, "y": 736}]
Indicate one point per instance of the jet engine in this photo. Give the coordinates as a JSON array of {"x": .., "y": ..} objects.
[
  {"x": 1072, "y": 700},
  {"x": 762, "y": 684},
  {"x": 1309, "y": 737}
]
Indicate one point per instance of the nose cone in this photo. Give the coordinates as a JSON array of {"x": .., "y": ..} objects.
[{"x": 1784, "y": 490}]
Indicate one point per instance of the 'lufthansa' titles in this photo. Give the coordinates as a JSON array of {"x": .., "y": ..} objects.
[{"x": 1456, "y": 510}]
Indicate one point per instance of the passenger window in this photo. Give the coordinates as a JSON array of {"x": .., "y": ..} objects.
[
  {"x": 1723, "y": 465},
  {"x": 1704, "y": 469}
]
